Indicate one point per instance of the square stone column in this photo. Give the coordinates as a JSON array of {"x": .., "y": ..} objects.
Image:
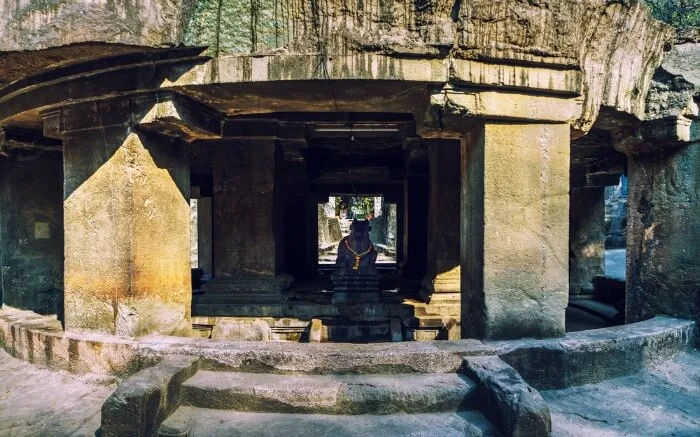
[
  {"x": 586, "y": 238},
  {"x": 443, "y": 219},
  {"x": 127, "y": 232},
  {"x": 663, "y": 234},
  {"x": 248, "y": 248},
  {"x": 515, "y": 230},
  {"x": 31, "y": 231},
  {"x": 204, "y": 233}
]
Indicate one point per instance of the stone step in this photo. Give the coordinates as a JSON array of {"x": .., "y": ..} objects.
[
  {"x": 200, "y": 422},
  {"x": 329, "y": 394}
]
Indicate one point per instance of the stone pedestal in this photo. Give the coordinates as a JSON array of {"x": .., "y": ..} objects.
[
  {"x": 663, "y": 234},
  {"x": 355, "y": 283},
  {"x": 248, "y": 249},
  {"x": 127, "y": 232},
  {"x": 586, "y": 238},
  {"x": 515, "y": 222}
]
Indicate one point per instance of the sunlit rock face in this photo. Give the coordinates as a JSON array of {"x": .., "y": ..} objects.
[{"x": 615, "y": 44}]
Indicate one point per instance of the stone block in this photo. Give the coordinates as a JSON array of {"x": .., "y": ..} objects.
[
  {"x": 243, "y": 329},
  {"x": 516, "y": 408},
  {"x": 315, "y": 331},
  {"x": 145, "y": 399}
]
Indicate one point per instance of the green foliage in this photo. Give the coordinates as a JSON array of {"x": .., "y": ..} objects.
[
  {"x": 360, "y": 207},
  {"x": 679, "y": 13},
  {"x": 43, "y": 6}
]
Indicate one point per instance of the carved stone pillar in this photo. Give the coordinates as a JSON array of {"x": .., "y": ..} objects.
[
  {"x": 443, "y": 220},
  {"x": 31, "y": 231}
]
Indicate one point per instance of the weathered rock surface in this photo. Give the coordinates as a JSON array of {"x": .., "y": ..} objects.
[
  {"x": 615, "y": 44},
  {"x": 662, "y": 400}
]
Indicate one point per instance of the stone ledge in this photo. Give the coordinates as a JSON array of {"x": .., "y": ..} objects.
[
  {"x": 507, "y": 400},
  {"x": 42, "y": 341},
  {"x": 586, "y": 357},
  {"x": 577, "y": 358},
  {"x": 144, "y": 400}
]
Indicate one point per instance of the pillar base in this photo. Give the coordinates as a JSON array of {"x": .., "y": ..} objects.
[{"x": 253, "y": 286}]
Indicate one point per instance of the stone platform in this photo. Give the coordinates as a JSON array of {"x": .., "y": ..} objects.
[
  {"x": 576, "y": 358},
  {"x": 170, "y": 389}
]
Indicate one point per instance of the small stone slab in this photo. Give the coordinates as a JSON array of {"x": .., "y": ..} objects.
[
  {"x": 516, "y": 408},
  {"x": 143, "y": 400},
  {"x": 329, "y": 394}
]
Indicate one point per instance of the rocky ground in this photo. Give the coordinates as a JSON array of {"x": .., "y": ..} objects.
[
  {"x": 39, "y": 402},
  {"x": 662, "y": 401}
]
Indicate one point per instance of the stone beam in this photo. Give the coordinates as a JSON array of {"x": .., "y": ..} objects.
[
  {"x": 124, "y": 75},
  {"x": 175, "y": 128},
  {"x": 16, "y": 138},
  {"x": 126, "y": 223},
  {"x": 515, "y": 224}
]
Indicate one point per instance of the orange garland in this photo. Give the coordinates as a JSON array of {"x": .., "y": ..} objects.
[{"x": 358, "y": 255}]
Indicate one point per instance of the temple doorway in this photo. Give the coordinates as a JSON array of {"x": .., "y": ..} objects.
[{"x": 336, "y": 216}]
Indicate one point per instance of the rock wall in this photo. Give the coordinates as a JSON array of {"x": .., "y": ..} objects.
[{"x": 615, "y": 43}]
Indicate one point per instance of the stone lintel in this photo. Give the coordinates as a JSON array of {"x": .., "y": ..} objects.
[
  {"x": 604, "y": 178},
  {"x": 104, "y": 114},
  {"x": 507, "y": 105},
  {"x": 547, "y": 79},
  {"x": 175, "y": 128},
  {"x": 670, "y": 129},
  {"x": 16, "y": 138}
]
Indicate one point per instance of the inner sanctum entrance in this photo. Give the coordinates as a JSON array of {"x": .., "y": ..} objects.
[
  {"x": 271, "y": 212},
  {"x": 335, "y": 218}
]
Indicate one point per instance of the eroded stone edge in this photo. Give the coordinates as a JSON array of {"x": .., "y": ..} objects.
[
  {"x": 506, "y": 399},
  {"x": 141, "y": 403}
]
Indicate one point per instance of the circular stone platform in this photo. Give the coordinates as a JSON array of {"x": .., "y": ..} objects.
[{"x": 577, "y": 358}]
